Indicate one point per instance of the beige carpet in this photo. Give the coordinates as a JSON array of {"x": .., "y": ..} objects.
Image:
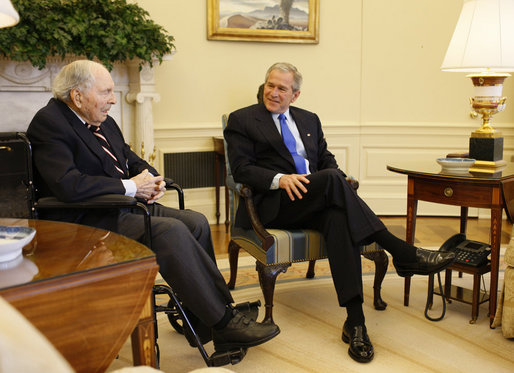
[{"x": 311, "y": 321}]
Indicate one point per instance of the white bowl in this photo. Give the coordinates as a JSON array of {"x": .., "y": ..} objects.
[
  {"x": 16, "y": 272},
  {"x": 456, "y": 165},
  {"x": 12, "y": 240}
]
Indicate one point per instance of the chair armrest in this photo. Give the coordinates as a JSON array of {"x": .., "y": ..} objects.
[
  {"x": 232, "y": 185},
  {"x": 262, "y": 233},
  {"x": 170, "y": 184},
  {"x": 106, "y": 201},
  {"x": 246, "y": 193},
  {"x": 353, "y": 182},
  {"x": 103, "y": 201}
]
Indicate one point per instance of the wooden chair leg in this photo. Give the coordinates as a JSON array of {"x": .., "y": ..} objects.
[
  {"x": 406, "y": 291},
  {"x": 381, "y": 262},
  {"x": 310, "y": 270},
  {"x": 233, "y": 257},
  {"x": 267, "y": 279}
]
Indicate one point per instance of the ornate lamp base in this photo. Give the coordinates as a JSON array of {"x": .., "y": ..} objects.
[
  {"x": 486, "y": 149},
  {"x": 486, "y": 143}
]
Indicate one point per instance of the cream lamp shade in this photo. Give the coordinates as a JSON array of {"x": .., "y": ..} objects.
[
  {"x": 8, "y": 15},
  {"x": 483, "y": 38},
  {"x": 483, "y": 45}
]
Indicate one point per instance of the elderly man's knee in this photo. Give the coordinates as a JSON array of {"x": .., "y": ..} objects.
[
  {"x": 200, "y": 220},
  {"x": 169, "y": 227}
]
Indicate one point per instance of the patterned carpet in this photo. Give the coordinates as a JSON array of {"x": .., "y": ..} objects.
[{"x": 311, "y": 321}]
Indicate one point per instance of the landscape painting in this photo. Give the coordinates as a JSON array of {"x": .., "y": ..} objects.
[{"x": 290, "y": 21}]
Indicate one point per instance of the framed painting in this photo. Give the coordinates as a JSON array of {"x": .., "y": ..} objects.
[{"x": 280, "y": 21}]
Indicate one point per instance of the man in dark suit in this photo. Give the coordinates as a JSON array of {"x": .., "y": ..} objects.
[
  {"x": 79, "y": 152},
  {"x": 280, "y": 151}
]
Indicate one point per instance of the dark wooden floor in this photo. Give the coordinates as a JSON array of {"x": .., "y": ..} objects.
[{"x": 430, "y": 231}]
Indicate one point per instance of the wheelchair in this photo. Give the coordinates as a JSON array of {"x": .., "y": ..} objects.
[{"x": 18, "y": 200}]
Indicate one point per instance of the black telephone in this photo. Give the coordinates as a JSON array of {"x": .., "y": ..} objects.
[{"x": 472, "y": 253}]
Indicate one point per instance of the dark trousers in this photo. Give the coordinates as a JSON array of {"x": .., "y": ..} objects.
[
  {"x": 181, "y": 240},
  {"x": 332, "y": 207}
]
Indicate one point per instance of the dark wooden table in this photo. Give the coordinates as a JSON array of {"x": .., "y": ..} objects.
[
  {"x": 494, "y": 191},
  {"x": 92, "y": 290}
]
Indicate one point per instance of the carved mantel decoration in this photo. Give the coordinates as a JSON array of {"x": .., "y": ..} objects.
[
  {"x": 142, "y": 95},
  {"x": 24, "y": 89}
]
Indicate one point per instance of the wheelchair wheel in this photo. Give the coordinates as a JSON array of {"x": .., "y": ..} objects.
[{"x": 174, "y": 317}]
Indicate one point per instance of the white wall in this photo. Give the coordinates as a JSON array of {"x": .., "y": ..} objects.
[{"x": 373, "y": 79}]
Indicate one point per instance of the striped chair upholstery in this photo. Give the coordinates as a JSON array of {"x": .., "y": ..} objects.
[{"x": 275, "y": 249}]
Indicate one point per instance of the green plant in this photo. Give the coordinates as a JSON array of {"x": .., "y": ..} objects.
[{"x": 108, "y": 30}]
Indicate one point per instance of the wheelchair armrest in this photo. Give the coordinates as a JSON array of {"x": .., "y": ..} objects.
[
  {"x": 170, "y": 184},
  {"x": 264, "y": 236},
  {"x": 103, "y": 201},
  {"x": 106, "y": 201}
]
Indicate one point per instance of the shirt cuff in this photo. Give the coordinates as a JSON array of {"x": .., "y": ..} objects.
[
  {"x": 130, "y": 187},
  {"x": 275, "y": 182}
]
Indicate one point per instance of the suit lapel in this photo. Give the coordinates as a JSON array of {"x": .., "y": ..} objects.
[
  {"x": 88, "y": 138},
  {"x": 269, "y": 130}
]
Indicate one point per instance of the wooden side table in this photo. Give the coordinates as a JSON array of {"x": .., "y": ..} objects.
[
  {"x": 219, "y": 149},
  {"x": 426, "y": 182}
]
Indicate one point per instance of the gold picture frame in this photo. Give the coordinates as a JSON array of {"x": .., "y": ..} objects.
[{"x": 236, "y": 20}]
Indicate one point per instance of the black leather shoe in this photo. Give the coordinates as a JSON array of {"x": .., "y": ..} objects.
[
  {"x": 427, "y": 262},
  {"x": 249, "y": 309},
  {"x": 242, "y": 332},
  {"x": 360, "y": 349}
]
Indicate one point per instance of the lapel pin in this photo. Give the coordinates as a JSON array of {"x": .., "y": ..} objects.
[{"x": 308, "y": 134}]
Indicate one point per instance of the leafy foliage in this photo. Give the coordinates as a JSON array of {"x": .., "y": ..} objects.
[{"x": 109, "y": 30}]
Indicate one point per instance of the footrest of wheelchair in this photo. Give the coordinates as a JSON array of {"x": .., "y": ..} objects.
[{"x": 218, "y": 359}]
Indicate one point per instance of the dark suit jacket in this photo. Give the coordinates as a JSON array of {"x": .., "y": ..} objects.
[
  {"x": 69, "y": 162},
  {"x": 257, "y": 153}
]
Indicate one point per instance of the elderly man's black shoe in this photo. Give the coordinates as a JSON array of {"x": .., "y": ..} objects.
[
  {"x": 242, "y": 332},
  {"x": 427, "y": 262},
  {"x": 360, "y": 349}
]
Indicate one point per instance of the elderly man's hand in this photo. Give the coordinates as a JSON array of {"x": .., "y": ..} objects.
[
  {"x": 294, "y": 185},
  {"x": 160, "y": 188},
  {"x": 149, "y": 187}
]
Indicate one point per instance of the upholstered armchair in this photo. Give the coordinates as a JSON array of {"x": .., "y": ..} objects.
[{"x": 276, "y": 249}]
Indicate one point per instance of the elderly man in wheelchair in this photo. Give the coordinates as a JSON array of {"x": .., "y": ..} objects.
[{"x": 79, "y": 153}]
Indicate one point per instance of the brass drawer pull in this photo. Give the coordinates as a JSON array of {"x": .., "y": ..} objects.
[{"x": 448, "y": 192}]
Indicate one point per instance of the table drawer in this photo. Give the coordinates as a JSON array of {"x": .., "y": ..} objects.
[{"x": 454, "y": 193}]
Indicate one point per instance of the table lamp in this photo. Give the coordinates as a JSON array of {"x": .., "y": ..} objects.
[
  {"x": 8, "y": 15},
  {"x": 483, "y": 44}
]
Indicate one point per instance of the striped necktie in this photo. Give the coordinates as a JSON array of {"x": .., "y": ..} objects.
[
  {"x": 102, "y": 140},
  {"x": 290, "y": 142}
]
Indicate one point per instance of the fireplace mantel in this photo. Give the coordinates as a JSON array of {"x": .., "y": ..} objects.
[{"x": 24, "y": 89}]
